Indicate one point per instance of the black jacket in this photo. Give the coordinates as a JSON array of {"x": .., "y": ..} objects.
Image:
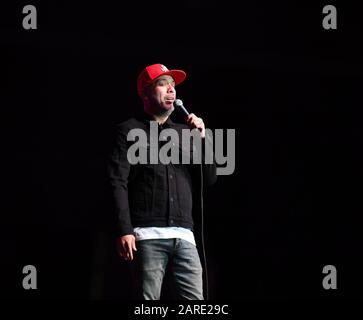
[{"x": 153, "y": 195}]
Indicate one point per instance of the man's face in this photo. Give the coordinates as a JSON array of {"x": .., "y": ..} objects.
[{"x": 162, "y": 93}]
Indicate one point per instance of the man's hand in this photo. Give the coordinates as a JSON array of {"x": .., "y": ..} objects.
[
  {"x": 195, "y": 122},
  {"x": 125, "y": 246}
]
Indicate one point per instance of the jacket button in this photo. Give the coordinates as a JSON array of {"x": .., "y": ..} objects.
[
  {"x": 171, "y": 199},
  {"x": 171, "y": 221}
]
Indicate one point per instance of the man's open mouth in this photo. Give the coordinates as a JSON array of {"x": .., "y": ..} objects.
[{"x": 170, "y": 99}]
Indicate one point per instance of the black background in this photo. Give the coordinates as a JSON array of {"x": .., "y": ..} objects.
[{"x": 290, "y": 89}]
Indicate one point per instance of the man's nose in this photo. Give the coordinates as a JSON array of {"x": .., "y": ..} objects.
[{"x": 171, "y": 89}]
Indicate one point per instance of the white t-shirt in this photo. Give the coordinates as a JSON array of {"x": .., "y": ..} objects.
[{"x": 146, "y": 233}]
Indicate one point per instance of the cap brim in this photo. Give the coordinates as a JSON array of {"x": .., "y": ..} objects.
[{"x": 178, "y": 75}]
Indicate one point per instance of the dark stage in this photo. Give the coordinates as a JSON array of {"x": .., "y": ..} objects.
[{"x": 289, "y": 88}]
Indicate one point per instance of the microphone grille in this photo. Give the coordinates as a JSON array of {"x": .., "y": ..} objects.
[{"x": 178, "y": 103}]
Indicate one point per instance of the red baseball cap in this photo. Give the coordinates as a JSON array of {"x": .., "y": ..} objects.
[{"x": 150, "y": 73}]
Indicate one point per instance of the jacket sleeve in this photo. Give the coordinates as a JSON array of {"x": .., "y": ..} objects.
[{"x": 118, "y": 171}]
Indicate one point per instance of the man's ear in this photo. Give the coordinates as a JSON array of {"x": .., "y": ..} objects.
[{"x": 145, "y": 95}]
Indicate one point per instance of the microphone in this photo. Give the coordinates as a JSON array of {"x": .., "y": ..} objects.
[{"x": 178, "y": 104}]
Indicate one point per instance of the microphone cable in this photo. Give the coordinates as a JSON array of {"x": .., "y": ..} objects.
[{"x": 202, "y": 231}]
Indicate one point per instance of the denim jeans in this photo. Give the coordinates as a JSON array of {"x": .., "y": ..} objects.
[{"x": 181, "y": 257}]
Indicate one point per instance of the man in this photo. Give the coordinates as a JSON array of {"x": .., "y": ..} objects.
[{"x": 154, "y": 201}]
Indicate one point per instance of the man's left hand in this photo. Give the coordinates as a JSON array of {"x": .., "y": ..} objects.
[{"x": 195, "y": 122}]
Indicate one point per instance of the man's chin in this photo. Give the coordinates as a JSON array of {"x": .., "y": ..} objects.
[
  {"x": 168, "y": 106},
  {"x": 167, "y": 111}
]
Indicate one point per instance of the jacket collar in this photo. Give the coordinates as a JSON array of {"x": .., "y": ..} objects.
[{"x": 147, "y": 118}]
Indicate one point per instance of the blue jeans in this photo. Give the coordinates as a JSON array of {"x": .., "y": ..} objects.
[{"x": 151, "y": 260}]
